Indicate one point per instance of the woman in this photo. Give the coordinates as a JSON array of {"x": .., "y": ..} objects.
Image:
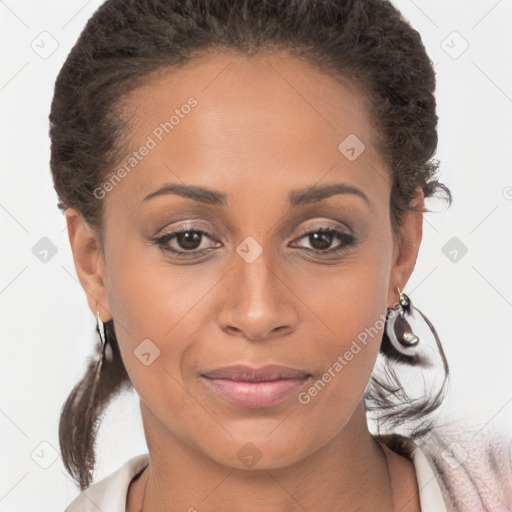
[{"x": 244, "y": 184}]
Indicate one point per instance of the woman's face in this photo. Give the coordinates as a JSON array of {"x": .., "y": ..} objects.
[{"x": 255, "y": 146}]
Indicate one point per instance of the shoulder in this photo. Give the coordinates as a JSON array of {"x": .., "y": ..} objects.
[
  {"x": 473, "y": 469},
  {"x": 110, "y": 492},
  {"x": 459, "y": 468}
]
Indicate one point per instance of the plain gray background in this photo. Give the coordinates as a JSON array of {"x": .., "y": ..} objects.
[{"x": 48, "y": 330}]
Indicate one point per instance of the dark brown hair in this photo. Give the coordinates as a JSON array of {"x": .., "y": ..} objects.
[{"x": 366, "y": 42}]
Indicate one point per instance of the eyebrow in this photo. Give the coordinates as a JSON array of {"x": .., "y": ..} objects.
[
  {"x": 307, "y": 195},
  {"x": 200, "y": 194},
  {"x": 313, "y": 194}
]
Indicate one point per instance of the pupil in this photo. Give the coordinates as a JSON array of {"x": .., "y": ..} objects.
[
  {"x": 189, "y": 239},
  {"x": 325, "y": 240}
]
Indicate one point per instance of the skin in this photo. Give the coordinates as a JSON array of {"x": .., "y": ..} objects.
[{"x": 263, "y": 126}]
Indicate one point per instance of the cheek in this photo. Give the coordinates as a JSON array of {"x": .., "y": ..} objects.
[
  {"x": 149, "y": 296},
  {"x": 157, "y": 310},
  {"x": 350, "y": 309},
  {"x": 351, "y": 343}
]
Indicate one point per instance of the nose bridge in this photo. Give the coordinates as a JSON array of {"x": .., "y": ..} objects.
[
  {"x": 258, "y": 302},
  {"x": 255, "y": 279}
]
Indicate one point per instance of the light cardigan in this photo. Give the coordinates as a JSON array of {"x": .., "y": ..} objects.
[{"x": 110, "y": 493}]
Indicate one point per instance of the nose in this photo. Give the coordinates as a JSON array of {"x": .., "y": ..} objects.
[{"x": 259, "y": 300}]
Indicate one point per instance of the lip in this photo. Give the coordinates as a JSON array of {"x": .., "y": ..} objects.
[
  {"x": 249, "y": 374},
  {"x": 246, "y": 386}
]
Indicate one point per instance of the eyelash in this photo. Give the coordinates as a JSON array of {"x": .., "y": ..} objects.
[{"x": 349, "y": 241}]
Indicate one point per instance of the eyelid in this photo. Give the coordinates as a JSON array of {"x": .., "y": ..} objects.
[
  {"x": 164, "y": 239},
  {"x": 189, "y": 225},
  {"x": 193, "y": 225},
  {"x": 329, "y": 224}
]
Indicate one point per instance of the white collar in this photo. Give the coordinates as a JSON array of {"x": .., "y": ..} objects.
[
  {"x": 110, "y": 493},
  {"x": 431, "y": 497}
]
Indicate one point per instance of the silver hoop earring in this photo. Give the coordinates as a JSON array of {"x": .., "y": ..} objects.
[{"x": 398, "y": 329}]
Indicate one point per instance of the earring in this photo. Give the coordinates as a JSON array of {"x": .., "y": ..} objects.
[
  {"x": 101, "y": 330},
  {"x": 398, "y": 328}
]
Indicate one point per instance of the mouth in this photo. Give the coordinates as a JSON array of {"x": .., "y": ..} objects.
[{"x": 254, "y": 388}]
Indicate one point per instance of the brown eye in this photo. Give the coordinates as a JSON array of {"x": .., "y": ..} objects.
[
  {"x": 321, "y": 240},
  {"x": 187, "y": 242}
]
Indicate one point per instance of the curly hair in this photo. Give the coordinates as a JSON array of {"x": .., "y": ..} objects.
[{"x": 126, "y": 42}]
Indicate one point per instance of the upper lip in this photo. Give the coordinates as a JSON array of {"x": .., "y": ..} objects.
[{"x": 250, "y": 374}]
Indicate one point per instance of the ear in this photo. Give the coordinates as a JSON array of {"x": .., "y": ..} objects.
[
  {"x": 406, "y": 252},
  {"x": 89, "y": 263}
]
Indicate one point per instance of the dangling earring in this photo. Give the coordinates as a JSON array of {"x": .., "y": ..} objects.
[
  {"x": 101, "y": 329},
  {"x": 398, "y": 328}
]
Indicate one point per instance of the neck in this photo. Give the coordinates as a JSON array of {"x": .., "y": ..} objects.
[{"x": 351, "y": 472}]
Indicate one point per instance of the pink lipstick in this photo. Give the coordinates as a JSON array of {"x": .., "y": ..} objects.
[{"x": 255, "y": 387}]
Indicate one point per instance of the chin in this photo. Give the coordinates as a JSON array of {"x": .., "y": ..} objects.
[{"x": 261, "y": 448}]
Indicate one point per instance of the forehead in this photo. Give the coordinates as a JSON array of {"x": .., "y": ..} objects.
[{"x": 237, "y": 123}]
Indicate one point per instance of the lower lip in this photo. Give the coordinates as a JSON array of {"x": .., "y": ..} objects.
[{"x": 255, "y": 394}]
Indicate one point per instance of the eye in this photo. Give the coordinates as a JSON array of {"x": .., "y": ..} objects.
[
  {"x": 322, "y": 238},
  {"x": 187, "y": 242}
]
